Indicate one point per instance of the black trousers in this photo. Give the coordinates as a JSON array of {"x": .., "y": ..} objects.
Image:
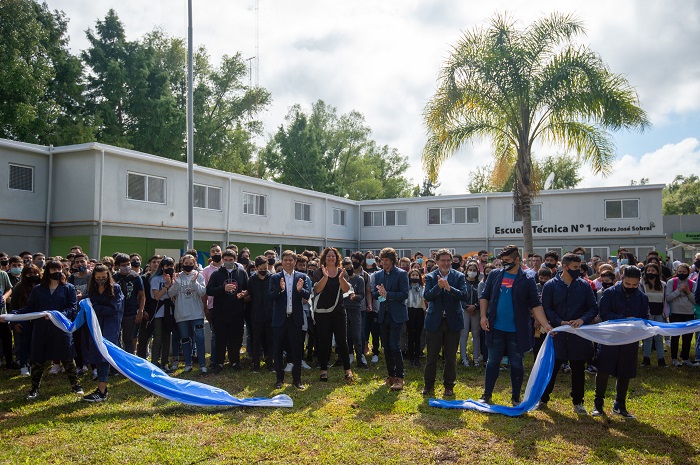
[
  {"x": 68, "y": 365},
  {"x": 414, "y": 329},
  {"x": 262, "y": 338},
  {"x": 601, "y": 385},
  {"x": 144, "y": 338},
  {"x": 448, "y": 341},
  {"x": 228, "y": 326},
  {"x": 686, "y": 338},
  {"x": 329, "y": 325},
  {"x": 289, "y": 336},
  {"x": 578, "y": 379},
  {"x": 6, "y": 338}
]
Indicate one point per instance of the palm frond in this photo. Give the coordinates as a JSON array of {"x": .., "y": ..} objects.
[{"x": 592, "y": 144}]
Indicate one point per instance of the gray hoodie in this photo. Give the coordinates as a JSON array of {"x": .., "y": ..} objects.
[{"x": 187, "y": 294}]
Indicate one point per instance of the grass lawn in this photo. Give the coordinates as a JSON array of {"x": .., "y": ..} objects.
[{"x": 332, "y": 422}]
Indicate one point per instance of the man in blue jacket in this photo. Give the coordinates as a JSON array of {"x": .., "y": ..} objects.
[
  {"x": 445, "y": 289},
  {"x": 287, "y": 289},
  {"x": 508, "y": 300},
  {"x": 391, "y": 290},
  {"x": 624, "y": 300},
  {"x": 568, "y": 300}
]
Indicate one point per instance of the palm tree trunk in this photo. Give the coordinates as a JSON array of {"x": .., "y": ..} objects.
[{"x": 523, "y": 196}]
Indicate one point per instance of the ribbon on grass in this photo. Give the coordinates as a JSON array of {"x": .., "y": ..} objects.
[
  {"x": 613, "y": 332},
  {"x": 147, "y": 375}
]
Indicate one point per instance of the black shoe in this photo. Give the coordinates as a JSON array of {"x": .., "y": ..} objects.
[
  {"x": 646, "y": 362},
  {"x": 485, "y": 399},
  {"x": 662, "y": 362},
  {"x": 428, "y": 391},
  {"x": 216, "y": 369},
  {"x": 33, "y": 394},
  {"x": 515, "y": 401},
  {"x": 278, "y": 385},
  {"x": 96, "y": 396},
  {"x": 77, "y": 390},
  {"x": 299, "y": 386},
  {"x": 597, "y": 410},
  {"x": 619, "y": 409},
  {"x": 449, "y": 392}
]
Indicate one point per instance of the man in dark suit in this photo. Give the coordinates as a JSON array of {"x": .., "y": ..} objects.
[
  {"x": 445, "y": 289},
  {"x": 287, "y": 289},
  {"x": 391, "y": 290}
]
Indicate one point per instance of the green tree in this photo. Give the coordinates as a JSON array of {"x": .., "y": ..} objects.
[
  {"x": 519, "y": 86},
  {"x": 426, "y": 189},
  {"x": 333, "y": 153},
  {"x": 563, "y": 167},
  {"x": 682, "y": 196},
  {"x": 40, "y": 81}
]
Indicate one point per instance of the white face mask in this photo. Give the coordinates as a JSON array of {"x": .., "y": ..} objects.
[{"x": 471, "y": 274}]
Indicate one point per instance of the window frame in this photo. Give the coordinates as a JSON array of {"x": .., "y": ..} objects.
[
  {"x": 342, "y": 216},
  {"x": 256, "y": 203},
  {"x": 539, "y": 204},
  {"x": 453, "y": 215},
  {"x": 304, "y": 206},
  {"x": 9, "y": 177},
  {"x": 206, "y": 196},
  {"x": 622, "y": 210},
  {"x": 147, "y": 178}
]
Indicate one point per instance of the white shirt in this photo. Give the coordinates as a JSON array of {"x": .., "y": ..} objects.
[{"x": 288, "y": 283}]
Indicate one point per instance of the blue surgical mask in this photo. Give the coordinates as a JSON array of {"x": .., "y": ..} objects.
[
  {"x": 624, "y": 261},
  {"x": 16, "y": 271},
  {"x": 370, "y": 261}
]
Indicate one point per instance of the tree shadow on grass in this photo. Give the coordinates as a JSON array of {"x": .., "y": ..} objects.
[{"x": 605, "y": 437}]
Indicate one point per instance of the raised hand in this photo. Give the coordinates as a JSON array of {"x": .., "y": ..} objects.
[
  {"x": 283, "y": 286},
  {"x": 300, "y": 284}
]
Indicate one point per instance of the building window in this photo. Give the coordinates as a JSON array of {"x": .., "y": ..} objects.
[
  {"x": 302, "y": 211},
  {"x": 21, "y": 178},
  {"x": 339, "y": 217},
  {"x": 535, "y": 213},
  {"x": 395, "y": 218},
  {"x": 456, "y": 215},
  {"x": 254, "y": 204},
  {"x": 401, "y": 253},
  {"x": 145, "y": 188},
  {"x": 208, "y": 197},
  {"x": 373, "y": 218},
  {"x": 621, "y": 209}
]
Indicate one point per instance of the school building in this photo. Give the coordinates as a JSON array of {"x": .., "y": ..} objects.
[{"x": 109, "y": 199}]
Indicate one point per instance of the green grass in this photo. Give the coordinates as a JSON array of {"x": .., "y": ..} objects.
[{"x": 362, "y": 423}]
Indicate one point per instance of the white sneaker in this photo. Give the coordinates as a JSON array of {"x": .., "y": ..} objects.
[
  {"x": 352, "y": 359},
  {"x": 477, "y": 363},
  {"x": 375, "y": 358},
  {"x": 24, "y": 371},
  {"x": 579, "y": 408},
  {"x": 688, "y": 363},
  {"x": 363, "y": 360},
  {"x": 305, "y": 365},
  {"x": 188, "y": 368},
  {"x": 677, "y": 363},
  {"x": 203, "y": 369},
  {"x": 289, "y": 367},
  {"x": 56, "y": 369},
  {"x": 175, "y": 365},
  {"x": 465, "y": 362}
]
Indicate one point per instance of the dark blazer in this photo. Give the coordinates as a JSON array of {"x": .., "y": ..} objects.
[
  {"x": 49, "y": 342},
  {"x": 279, "y": 299},
  {"x": 566, "y": 303},
  {"x": 439, "y": 300},
  {"x": 396, "y": 285},
  {"x": 525, "y": 298},
  {"x": 109, "y": 312},
  {"x": 615, "y": 304}
]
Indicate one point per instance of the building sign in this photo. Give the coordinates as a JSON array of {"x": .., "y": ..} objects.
[
  {"x": 574, "y": 229},
  {"x": 687, "y": 237}
]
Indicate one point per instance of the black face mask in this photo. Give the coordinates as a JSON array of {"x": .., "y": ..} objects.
[
  {"x": 356, "y": 264},
  {"x": 187, "y": 268},
  {"x": 4, "y": 262},
  {"x": 651, "y": 276},
  {"x": 455, "y": 266},
  {"x": 216, "y": 258},
  {"x": 56, "y": 275},
  {"x": 629, "y": 290},
  {"x": 262, "y": 273},
  {"x": 168, "y": 271},
  {"x": 550, "y": 265},
  {"x": 245, "y": 261},
  {"x": 33, "y": 279},
  {"x": 350, "y": 271},
  {"x": 697, "y": 265},
  {"x": 101, "y": 282},
  {"x": 682, "y": 276},
  {"x": 270, "y": 261},
  {"x": 508, "y": 266},
  {"x": 606, "y": 285},
  {"x": 415, "y": 280},
  {"x": 136, "y": 264}
]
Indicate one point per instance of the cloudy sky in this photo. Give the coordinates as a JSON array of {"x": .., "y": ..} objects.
[{"x": 382, "y": 58}]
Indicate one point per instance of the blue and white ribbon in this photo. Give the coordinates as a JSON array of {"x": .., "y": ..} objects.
[
  {"x": 613, "y": 332},
  {"x": 147, "y": 375}
]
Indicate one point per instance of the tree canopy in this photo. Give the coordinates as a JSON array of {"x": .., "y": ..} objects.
[
  {"x": 563, "y": 167},
  {"x": 682, "y": 196}
]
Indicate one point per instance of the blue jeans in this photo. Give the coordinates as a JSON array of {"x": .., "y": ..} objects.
[
  {"x": 103, "y": 372},
  {"x": 659, "y": 340},
  {"x": 188, "y": 330},
  {"x": 504, "y": 343}
]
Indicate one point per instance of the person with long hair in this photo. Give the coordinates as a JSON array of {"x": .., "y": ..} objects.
[
  {"x": 48, "y": 341},
  {"x": 162, "y": 318},
  {"x": 107, "y": 302},
  {"x": 472, "y": 317},
  {"x": 331, "y": 318},
  {"x": 681, "y": 299},
  {"x": 30, "y": 277},
  {"x": 189, "y": 288},
  {"x": 655, "y": 289},
  {"x": 416, "y": 316}
]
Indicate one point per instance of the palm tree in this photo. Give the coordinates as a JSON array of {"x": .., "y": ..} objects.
[{"x": 517, "y": 86}]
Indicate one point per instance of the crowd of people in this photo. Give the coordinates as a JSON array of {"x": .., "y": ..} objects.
[{"x": 292, "y": 312}]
